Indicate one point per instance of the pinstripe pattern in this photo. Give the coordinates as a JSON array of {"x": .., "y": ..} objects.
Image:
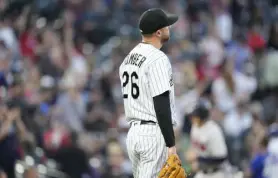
[
  {"x": 153, "y": 79},
  {"x": 146, "y": 150},
  {"x": 145, "y": 143}
]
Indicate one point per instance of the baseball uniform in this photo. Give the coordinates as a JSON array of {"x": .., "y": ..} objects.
[
  {"x": 145, "y": 72},
  {"x": 148, "y": 94},
  {"x": 207, "y": 140}
]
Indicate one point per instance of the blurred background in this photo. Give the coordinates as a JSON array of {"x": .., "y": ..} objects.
[{"x": 61, "y": 112}]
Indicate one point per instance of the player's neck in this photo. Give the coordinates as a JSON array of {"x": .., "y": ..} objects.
[
  {"x": 152, "y": 41},
  {"x": 200, "y": 124}
]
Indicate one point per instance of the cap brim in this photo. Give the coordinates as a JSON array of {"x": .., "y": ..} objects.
[{"x": 172, "y": 18}]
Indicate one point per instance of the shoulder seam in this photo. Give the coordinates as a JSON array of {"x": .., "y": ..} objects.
[{"x": 160, "y": 57}]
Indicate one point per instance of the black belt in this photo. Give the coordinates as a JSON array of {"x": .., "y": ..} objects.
[
  {"x": 143, "y": 122},
  {"x": 210, "y": 170}
]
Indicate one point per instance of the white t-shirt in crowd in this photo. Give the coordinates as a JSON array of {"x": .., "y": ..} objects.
[
  {"x": 9, "y": 38},
  {"x": 214, "y": 50},
  {"x": 185, "y": 104},
  {"x": 224, "y": 26},
  {"x": 234, "y": 124},
  {"x": 225, "y": 100}
]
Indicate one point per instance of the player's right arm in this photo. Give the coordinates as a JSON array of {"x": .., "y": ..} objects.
[{"x": 159, "y": 83}]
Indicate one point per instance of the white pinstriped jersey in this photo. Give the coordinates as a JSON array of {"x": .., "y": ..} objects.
[{"x": 145, "y": 72}]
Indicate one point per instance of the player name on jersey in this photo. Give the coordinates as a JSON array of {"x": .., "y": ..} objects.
[
  {"x": 135, "y": 59},
  {"x": 145, "y": 73}
]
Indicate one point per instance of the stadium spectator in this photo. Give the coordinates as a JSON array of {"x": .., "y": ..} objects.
[{"x": 59, "y": 64}]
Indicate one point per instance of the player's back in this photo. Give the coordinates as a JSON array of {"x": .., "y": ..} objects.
[
  {"x": 208, "y": 140},
  {"x": 136, "y": 73}
]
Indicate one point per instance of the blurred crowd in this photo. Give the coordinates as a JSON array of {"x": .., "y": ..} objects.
[{"x": 62, "y": 114}]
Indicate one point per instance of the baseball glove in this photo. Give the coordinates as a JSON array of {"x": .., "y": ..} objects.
[{"x": 172, "y": 168}]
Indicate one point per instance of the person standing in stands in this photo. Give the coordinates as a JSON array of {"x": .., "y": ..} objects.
[{"x": 11, "y": 126}]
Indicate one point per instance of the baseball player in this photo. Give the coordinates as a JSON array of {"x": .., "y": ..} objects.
[
  {"x": 208, "y": 143},
  {"x": 148, "y": 94}
]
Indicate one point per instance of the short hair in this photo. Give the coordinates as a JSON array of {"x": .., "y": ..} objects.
[
  {"x": 147, "y": 35},
  {"x": 264, "y": 142}
]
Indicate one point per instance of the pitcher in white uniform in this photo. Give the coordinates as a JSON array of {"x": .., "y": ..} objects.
[{"x": 148, "y": 94}]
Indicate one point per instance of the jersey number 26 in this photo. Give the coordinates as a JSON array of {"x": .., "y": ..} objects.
[{"x": 134, "y": 87}]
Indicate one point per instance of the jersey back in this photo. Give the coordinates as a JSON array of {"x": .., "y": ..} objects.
[
  {"x": 145, "y": 72},
  {"x": 208, "y": 140}
]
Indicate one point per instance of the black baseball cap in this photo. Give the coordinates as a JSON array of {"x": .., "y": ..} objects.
[
  {"x": 202, "y": 109},
  {"x": 155, "y": 19}
]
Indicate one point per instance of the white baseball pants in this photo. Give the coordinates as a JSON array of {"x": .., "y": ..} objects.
[{"x": 146, "y": 149}]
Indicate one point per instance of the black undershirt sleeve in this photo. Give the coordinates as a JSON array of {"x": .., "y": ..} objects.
[{"x": 163, "y": 114}]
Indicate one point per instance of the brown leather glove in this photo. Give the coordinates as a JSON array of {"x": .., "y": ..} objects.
[{"x": 172, "y": 168}]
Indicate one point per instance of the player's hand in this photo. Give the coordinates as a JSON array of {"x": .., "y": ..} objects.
[{"x": 172, "y": 151}]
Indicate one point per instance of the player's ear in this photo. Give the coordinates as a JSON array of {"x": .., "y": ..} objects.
[{"x": 158, "y": 33}]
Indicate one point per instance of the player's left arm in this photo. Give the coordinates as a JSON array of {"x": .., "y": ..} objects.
[{"x": 159, "y": 82}]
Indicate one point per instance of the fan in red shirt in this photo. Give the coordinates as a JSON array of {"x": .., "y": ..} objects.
[
  {"x": 255, "y": 39},
  {"x": 28, "y": 44}
]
